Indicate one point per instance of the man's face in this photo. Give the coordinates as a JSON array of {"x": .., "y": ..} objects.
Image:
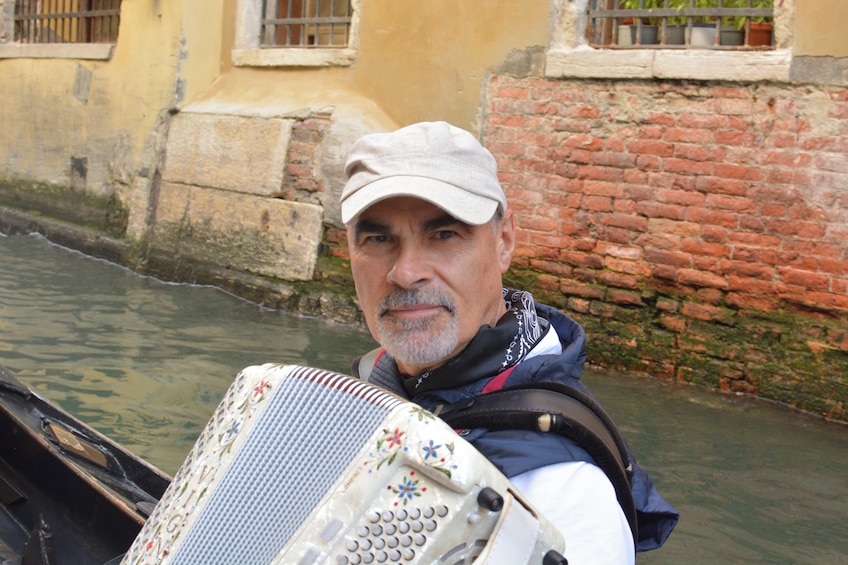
[{"x": 425, "y": 280}]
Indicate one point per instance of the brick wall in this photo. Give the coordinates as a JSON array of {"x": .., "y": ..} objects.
[{"x": 698, "y": 231}]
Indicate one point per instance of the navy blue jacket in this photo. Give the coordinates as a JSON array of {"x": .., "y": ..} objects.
[{"x": 517, "y": 451}]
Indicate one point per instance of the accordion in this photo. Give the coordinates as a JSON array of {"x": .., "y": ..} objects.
[{"x": 305, "y": 466}]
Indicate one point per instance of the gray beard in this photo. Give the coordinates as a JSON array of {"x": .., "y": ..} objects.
[{"x": 418, "y": 342}]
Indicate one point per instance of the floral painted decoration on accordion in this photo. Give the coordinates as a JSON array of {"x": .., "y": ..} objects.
[
  {"x": 190, "y": 484},
  {"x": 392, "y": 442}
]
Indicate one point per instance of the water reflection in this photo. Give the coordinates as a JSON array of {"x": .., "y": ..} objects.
[
  {"x": 142, "y": 361},
  {"x": 146, "y": 363}
]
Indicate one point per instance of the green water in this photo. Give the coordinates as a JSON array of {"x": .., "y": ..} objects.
[{"x": 146, "y": 363}]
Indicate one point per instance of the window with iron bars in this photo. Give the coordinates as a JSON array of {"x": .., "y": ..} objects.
[
  {"x": 306, "y": 23},
  {"x": 67, "y": 21},
  {"x": 682, "y": 24}
]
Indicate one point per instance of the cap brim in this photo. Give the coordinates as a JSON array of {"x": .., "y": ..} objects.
[{"x": 464, "y": 206}]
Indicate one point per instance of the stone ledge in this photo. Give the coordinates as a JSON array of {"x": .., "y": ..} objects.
[
  {"x": 692, "y": 64},
  {"x": 93, "y": 51}
]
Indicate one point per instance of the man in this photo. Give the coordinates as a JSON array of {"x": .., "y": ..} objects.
[{"x": 430, "y": 236}]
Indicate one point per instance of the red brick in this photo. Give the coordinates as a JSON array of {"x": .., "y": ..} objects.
[
  {"x": 624, "y": 297},
  {"x": 627, "y": 221},
  {"x": 734, "y": 203},
  {"x": 704, "y": 312},
  {"x": 702, "y": 215},
  {"x": 620, "y": 280},
  {"x": 700, "y": 247},
  {"x": 597, "y": 203},
  {"x": 657, "y": 148},
  {"x": 805, "y": 279},
  {"x": 715, "y": 185},
  {"x": 658, "y": 256},
  {"x": 827, "y": 299},
  {"x": 749, "y": 302},
  {"x": 628, "y": 267},
  {"x": 701, "y": 279},
  {"x": 583, "y": 260},
  {"x": 742, "y": 269}
]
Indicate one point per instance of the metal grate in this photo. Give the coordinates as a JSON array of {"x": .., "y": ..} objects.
[
  {"x": 306, "y": 23},
  {"x": 682, "y": 24},
  {"x": 67, "y": 21}
]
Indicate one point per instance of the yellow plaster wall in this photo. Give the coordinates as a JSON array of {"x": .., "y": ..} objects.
[
  {"x": 820, "y": 28},
  {"x": 49, "y": 125},
  {"x": 416, "y": 61}
]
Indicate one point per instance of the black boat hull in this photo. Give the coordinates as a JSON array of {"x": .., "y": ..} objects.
[{"x": 68, "y": 493}]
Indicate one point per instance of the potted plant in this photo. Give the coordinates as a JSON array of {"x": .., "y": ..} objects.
[
  {"x": 703, "y": 27},
  {"x": 733, "y": 27},
  {"x": 761, "y": 29},
  {"x": 675, "y": 26},
  {"x": 648, "y": 28}
]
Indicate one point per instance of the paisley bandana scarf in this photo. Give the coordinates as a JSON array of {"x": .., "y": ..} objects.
[{"x": 493, "y": 349}]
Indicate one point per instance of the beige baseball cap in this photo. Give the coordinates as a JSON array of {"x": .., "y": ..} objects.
[{"x": 434, "y": 161}]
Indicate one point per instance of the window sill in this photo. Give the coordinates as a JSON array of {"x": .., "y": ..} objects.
[
  {"x": 293, "y": 57},
  {"x": 693, "y": 64},
  {"x": 98, "y": 51}
]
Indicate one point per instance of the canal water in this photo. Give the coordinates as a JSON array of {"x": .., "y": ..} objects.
[{"x": 146, "y": 363}]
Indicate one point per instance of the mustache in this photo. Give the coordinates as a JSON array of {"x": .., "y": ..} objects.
[{"x": 406, "y": 297}]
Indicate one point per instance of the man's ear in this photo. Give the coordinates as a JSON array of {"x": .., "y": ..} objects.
[{"x": 506, "y": 240}]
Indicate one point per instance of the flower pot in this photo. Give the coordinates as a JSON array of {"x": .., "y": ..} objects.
[
  {"x": 732, "y": 36},
  {"x": 760, "y": 33},
  {"x": 627, "y": 35},
  {"x": 702, "y": 35},
  {"x": 675, "y": 35}
]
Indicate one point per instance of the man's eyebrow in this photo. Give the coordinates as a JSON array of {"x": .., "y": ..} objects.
[
  {"x": 369, "y": 226},
  {"x": 443, "y": 221}
]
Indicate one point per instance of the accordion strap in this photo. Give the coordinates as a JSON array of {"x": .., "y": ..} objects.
[{"x": 560, "y": 409}]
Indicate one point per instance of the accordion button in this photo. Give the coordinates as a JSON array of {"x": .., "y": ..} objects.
[
  {"x": 390, "y": 529},
  {"x": 402, "y": 514},
  {"x": 429, "y": 512},
  {"x": 415, "y": 513},
  {"x": 382, "y": 556},
  {"x": 403, "y": 527},
  {"x": 351, "y": 545},
  {"x": 392, "y": 542},
  {"x": 394, "y": 555},
  {"x": 379, "y": 543},
  {"x": 408, "y": 554},
  {"x": 368, "y": 558},
  {"x": 388, "y": 516},
  {"x": 419, "y": 539},
  {"x": 363, "y": 531},
  {"x": 373, "y": 516},
  {"x": 430, "y": 525},
  {"x": 406, "y": 541},
  {"x": 442, "y": 510},
  {"x": 417, "y": 526}
]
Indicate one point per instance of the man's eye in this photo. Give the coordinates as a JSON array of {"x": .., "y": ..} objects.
[
  {"x": 445, "y": 234},
  {"x": 376, "y": 238}
]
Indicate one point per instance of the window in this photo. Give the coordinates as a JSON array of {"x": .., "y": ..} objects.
[
  {"x": 306, "y": 23},
  {"x": 295, "y": 33},
  {"x": 66, "y": 21},
  {"x": 681, "y": 24}
]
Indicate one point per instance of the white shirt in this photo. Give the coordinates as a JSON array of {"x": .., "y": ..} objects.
[{"x": 579, "y": 500}]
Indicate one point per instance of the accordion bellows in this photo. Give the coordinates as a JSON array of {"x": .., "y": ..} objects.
[{"x": 303, "y": 466}]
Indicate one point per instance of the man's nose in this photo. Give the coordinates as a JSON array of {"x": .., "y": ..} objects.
[{"x": 411, "y": 267}]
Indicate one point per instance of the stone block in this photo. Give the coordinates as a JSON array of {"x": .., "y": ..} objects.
[
  {"x": 237, "y": 153},
  {"x": 264, "y": 236}
]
